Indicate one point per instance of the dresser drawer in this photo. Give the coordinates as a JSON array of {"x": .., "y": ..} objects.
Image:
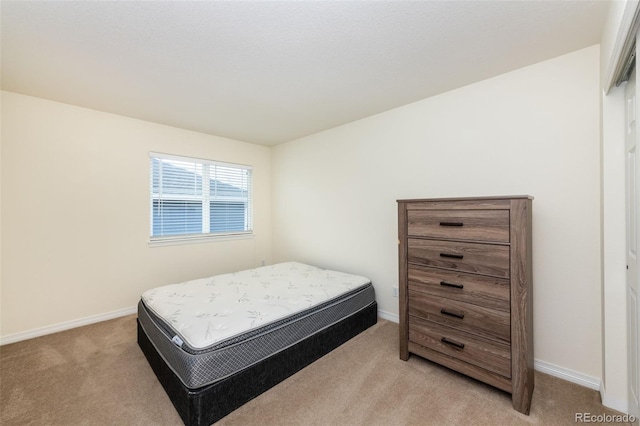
[
  {"x": 479, "y": 320},
  {"x": 489, "y": 292},
  {"x": 485, "y": 259},
  {"x": 475, "y": 225},
  {"x": 480, "y": 352}
]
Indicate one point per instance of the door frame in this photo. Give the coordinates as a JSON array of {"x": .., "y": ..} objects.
[{"x": 623, "y": 22}]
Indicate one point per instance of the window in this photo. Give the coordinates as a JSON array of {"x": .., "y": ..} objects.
[{"x": 193, "y": 198}]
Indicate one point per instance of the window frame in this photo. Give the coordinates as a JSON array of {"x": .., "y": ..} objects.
[{"x": 206, "y": 200}]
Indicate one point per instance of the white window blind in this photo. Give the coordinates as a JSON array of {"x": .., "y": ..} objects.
[{"x": 193, "y": 198}]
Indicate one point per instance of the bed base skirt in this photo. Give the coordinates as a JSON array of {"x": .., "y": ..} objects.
[{"x": 206, "y": 405}]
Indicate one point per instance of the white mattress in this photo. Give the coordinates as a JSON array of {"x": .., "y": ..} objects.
[{"x": 206, "y": 311}]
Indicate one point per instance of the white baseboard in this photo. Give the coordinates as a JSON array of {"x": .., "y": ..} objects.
[
  {"x": 555, "y": 371},
  {"x": 542, "y": 366},
  {"x": 582, "y": 380},
  {"x": 388, "y": 316},
  {"x": 37, "y": 332},
  {"x": 566, "y": 374},
  {"x": 559, "y": 372},
  {"x": 613, "y": 403}
]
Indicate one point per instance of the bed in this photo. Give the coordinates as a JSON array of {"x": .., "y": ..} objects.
[{"x": 215, "y": 343}]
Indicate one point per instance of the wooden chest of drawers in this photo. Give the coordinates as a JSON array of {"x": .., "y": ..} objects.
[{"x": 465, "y": 288}]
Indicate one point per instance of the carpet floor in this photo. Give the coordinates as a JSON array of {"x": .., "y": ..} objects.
[{"x": 97, "y": 375}]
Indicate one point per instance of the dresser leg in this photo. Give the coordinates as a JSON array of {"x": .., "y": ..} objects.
[{"x": 522, "y": 400}]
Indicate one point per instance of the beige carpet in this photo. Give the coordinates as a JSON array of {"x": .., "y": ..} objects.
[{"x": 97, "y": 375}]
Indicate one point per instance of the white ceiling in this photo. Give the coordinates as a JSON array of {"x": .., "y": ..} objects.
[{"x": 270, "y": 72}]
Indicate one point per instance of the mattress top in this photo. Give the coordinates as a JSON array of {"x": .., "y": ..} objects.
[{"x": 206, "y": 311}]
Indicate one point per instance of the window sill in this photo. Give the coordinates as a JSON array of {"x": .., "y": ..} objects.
[{"x": 197, "y": 239}]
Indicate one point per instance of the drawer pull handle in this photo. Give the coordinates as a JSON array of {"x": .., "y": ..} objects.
[
  {"x": 451, "y": 224},
  {"x": 446, "y": 284},
  {"x": 452, "y": 256},
  {"x": 452, "y": 343},
  {"x": 451, "y": 314}
]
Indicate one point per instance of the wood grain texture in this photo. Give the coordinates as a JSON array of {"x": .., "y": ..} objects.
[
  {"x": 461, "y": 204},
  {"x": 471, "y": 225},
  {"x": 402, "y": 288},
  {"x": 484, "y": 259},
  {"x": 522, "y": 305},
  {"x": 460, "y": 366},
  {"x": 480, "y": 320},
  {"x": 487, "y": 354},
  {"x": 467, "y": 202},
  {"x": 490, "y": 292},
  {"x": 487, "y": 295}
]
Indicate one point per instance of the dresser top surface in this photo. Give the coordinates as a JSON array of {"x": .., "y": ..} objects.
[{"x": 504, "y": 197}]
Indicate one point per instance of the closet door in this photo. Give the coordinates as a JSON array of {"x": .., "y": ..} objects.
[{"x": 632, "y": 245}]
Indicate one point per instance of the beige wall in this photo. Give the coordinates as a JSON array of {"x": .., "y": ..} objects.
[
  {"x": 532, "y": 131},
  {"x": 75, "y": 219},
  {"x": 75, "y": 212}
]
